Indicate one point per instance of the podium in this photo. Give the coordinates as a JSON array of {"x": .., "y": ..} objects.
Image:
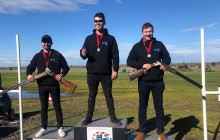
[{"x": 100, "y": 129}]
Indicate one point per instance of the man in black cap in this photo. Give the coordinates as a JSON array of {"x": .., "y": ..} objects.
[
  {"x": 51, "y": 59},
  {"x": 101, "y": 49}
]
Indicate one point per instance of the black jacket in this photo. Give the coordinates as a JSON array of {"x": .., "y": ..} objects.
[
  {"x": 56, "y": 63},
  {"x": 138, "y": 57},
  {"x": 101, "y": 62}
]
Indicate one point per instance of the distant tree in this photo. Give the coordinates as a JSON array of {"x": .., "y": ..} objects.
[
  {"x": 183, "y": 66},
  {"x": 213, "y": 64},
  {"x": 207, "y": 68}
]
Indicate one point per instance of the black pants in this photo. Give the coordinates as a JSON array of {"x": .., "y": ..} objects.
[
  {"x": 55, "y": 95},
  {"x": 93, "y": 83},
  {"x": 157, "y": 89}
]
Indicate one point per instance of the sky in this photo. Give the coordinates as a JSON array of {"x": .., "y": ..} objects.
[{"x": 177, "y": 24}]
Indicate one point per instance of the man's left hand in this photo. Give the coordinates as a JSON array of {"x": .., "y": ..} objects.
[
  {"x": 114, "y": 75},
  {"x": 162, "y": 68},
  {"x": 59, "y": 77}
]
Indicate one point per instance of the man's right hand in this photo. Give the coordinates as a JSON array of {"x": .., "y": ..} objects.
[
  {"x": 30, "y": 78},
  {"x": 84, "y": 52},
  {"x": 147, "y": 66}
]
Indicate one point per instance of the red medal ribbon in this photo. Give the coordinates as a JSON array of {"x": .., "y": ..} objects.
[
  {"x": 148, "y": 50},
  {"x": 47, "y": 62},
  {"x": 99, "y": 41}
]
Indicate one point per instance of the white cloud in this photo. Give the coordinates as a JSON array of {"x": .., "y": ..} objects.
[
  {"x": 214, "y": 42},
  {"x": 178, "y": 54},
  {"x": 193, "y": 53},
  {"x": 198, "y": 28},
  {"x": 19, "y": 6},
  {"x": 118, "y": 1},
  {"x": 124, "y": 49}
]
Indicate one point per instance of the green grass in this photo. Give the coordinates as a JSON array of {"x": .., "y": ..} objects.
[{"x": 182, "y": 104}]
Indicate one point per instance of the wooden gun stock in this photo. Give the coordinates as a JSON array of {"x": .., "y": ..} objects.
[
  {"x": 67, "y": 84},
  {"x": 136, "y": 73}
]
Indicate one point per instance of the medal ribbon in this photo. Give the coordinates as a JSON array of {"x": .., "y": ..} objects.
[
  {"x": 46, "y": 62},
  {"x": 148, "y": 50},
  {"x": 99, "y": 41}
]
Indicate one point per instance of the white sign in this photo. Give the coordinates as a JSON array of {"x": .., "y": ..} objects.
[{"x": 99, "y": 133}]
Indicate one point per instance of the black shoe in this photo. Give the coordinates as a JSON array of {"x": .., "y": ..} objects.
[
  {"x": 86, "y": 121},
  {"x": 115, "y": 121}
]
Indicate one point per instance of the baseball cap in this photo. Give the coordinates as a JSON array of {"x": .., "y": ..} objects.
[{"x": 46, "y": 38}]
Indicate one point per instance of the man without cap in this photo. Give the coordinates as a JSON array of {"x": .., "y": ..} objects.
[
  {"x": 147, "y": 51},
  {"x": 101, "y": 50},
  {"x": 51, "y": 59}
]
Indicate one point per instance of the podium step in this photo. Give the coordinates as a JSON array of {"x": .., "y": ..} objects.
[
  {"x": 100, "y": 129},
  {"x": 80, "y": 132},
  {"x": 148, "y": 137},
  {"x": 53, "y": 135}
]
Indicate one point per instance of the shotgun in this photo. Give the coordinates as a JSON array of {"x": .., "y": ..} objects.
[
  {"x": 47, "y": 72},
  {"x": 66, "y": 83},
  {"x": 134, "y": 74}
]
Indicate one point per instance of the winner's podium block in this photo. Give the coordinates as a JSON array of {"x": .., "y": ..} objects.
[{"x": 100, "y": 129}]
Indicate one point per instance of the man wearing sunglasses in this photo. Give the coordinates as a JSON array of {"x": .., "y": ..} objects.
[
  {"x": 101, "y": 50},
  {"x": 51, "y": 59},
  {"x": 147, "y": 51}
]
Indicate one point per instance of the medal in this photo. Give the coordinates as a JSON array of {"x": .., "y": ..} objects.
[
  {"x": 47, "y": 69},
  {"x": 148, "y": 49},
  {"x": 99, "y": 41},
  {"x": 98, "y": 49}
]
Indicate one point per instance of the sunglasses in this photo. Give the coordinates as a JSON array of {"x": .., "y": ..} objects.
[
  {"x": 46, "y": 41},
  {"x": 98, "y": 21}
]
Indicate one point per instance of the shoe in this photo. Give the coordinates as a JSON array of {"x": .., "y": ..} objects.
[
  {"x": 140, "y": 136},
  {"x": 162, "y": 137},
  {"x": 61, "y": 133},
  {"x": 115, "y": 121},
  {"x": 41, "y": 133},
  {"x": 87, "y": 121}
]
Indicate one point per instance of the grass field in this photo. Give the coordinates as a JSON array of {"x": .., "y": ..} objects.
[{"x": 182, "y": 105}]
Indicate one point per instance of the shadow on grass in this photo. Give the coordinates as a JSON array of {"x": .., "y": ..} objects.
[
  {"x": 7, "y": 131},
  {"x": 182, "y": 126},
  {"x": 216, "y": 131},
  {"x": 130, "y": 120},
  {"x": 29, "y": 114},
  {"x": 151, "y": 123}
]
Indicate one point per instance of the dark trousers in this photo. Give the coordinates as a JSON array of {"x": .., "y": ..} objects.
[
  {"x": 93, "y": 83},
  {"x": 157, "y": 89},
  {"x": 55, "y": 95}
]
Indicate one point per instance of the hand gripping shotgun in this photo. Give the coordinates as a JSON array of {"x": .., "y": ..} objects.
[{"x": 134, "y": 74}]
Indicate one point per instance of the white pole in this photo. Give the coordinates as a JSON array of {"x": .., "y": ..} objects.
[
  {"x": 20, "y": 93},
  {"x": 203, "y": 84},
  {"x": 218, "y": 91}
]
